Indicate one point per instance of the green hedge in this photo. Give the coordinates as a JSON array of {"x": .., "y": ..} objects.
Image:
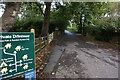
[{"x": 25, "y": 25}]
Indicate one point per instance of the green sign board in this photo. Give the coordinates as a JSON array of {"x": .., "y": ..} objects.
[{"x": 16, "y": 54}]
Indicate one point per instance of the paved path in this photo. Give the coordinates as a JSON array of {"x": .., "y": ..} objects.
[{"x": 75, "y": 57}]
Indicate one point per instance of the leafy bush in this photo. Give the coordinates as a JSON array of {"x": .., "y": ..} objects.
[
  {"x": 26, "y": 25},
  {"x": 104, "y": 29}
]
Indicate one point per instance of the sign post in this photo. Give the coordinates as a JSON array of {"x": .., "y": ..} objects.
[{"x": 17, "y": 51}]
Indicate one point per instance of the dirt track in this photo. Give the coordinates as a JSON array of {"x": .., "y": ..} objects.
[{"x": 73, "y": 56}]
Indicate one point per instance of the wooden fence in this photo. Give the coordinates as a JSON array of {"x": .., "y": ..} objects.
[
  {"x": 42, "y": 53},
  {"x": 40, "y": 44}
]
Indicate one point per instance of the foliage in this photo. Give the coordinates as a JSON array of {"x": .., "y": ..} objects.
[
  {"x": 72, "y": 29},
  {"x": 88, "y": 17},
  {"x": 60, "y": 16},
  {"x": 85, "y": 13},
  {"x": 26, "y": 25},
  {"x": 30, "y": 9},
  {"x": 31, "y": 17},
  {"x": 94, "y": 18},
  {"x": 104, "y": 29}
]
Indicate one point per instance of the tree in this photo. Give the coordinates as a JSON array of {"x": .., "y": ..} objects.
[
  {"x": 60, "y": 16},
  {"x": 45, "y": 27},
  {"x": 85, "y": 13},
  {"x": 9, "y": 16},
  {"x": 11, "y": 12}
]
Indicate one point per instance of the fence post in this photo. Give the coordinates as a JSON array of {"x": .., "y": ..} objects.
[
  {"x": 54, "y": 35},
  {"x": 33, "y": 31},
  {"x": 48, "y": 39}
]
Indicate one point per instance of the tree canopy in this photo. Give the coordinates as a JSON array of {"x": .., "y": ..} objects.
[{"x": 88, "y": 17}]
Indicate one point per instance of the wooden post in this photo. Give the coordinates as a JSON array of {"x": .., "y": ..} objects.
[
  {"x": 48, "y": 40},
  {"x": 54, "y": 35},
  {"x": 33, "y": 31}
]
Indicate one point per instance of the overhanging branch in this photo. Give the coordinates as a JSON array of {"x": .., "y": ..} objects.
[{"x": 40, "y": 8}]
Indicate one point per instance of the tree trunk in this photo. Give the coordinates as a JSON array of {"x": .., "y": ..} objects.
[
  {"x": 80, "y": 25},
  {"x": 45, "y": 27},
  {"x": 9, "y": 16}
]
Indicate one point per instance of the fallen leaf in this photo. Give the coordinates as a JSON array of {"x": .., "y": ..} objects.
[
  {"x": 45, "y": 63},
  {"x": 73, "y": 66},
  {"x": 37, "y": 70},
  {"x": 62, "y": 55},
  {"x": 42, "y": 65},
  {"x": 53, "y": 73},
  {"x": 41, "y": 68},
  {"x": 59, "y": 63},
  {"x": 74, "y": 72},
  {"x": 96, "y": 76},
  {"x": 96, "y": 61}
]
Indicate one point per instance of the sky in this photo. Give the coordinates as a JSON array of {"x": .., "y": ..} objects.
[
  {"x": 1, "y": 10},
  {"x": 1, "y": 13}
]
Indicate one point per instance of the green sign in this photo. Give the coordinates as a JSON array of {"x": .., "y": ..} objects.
[{"x": 16, "y": 54}]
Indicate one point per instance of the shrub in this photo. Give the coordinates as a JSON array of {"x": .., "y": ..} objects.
[{"x": 104, "y": 29}]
